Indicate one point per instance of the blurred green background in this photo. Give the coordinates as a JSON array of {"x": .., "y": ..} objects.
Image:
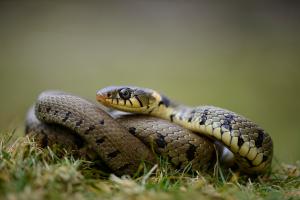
[{"x": 240, "y": 56}]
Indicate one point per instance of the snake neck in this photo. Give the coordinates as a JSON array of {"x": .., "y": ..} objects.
[
  {"x": 178, "y": 114},
  {"x": 169, "y": 110}
]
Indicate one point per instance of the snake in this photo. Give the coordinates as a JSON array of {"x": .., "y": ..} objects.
[
  {"x": 122, "y": 142},
  {"x": 185, "y": 135}
]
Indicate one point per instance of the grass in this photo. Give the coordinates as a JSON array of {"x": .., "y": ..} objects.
[{"x": 29, "y": 172}]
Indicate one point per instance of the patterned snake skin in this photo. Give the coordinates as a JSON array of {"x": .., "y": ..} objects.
[
  {"x": 250, "y": 144},
  {"x": 123, "y": 143}
]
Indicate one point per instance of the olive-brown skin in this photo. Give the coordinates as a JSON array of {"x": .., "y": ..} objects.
[{"x": 82, "y": 126}]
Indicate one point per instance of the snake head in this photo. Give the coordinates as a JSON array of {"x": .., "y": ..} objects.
[{"x": 128, "y": 98}]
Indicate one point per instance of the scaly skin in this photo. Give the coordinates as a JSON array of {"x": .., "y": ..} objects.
[
  {"x": 83, "y": 127},
  {"x": 121, "y": 151},
  {"x": 251, "y": 145}
]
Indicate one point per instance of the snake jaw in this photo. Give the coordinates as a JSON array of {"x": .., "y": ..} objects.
[{"x": 102, "y": 97}]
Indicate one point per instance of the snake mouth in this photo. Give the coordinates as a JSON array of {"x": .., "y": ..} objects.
[{"x": 100, "y": 97}]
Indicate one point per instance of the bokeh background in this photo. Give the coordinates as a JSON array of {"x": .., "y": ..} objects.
[{"x": 241, "y": 56}]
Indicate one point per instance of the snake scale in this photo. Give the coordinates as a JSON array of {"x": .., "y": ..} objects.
[{"x": 123, "y": 142}]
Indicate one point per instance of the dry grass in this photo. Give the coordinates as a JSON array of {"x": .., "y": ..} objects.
[{"x": 28, "y": 172}]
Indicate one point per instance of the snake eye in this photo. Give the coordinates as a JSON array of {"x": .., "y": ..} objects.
[{"x": 125, "y": 93}]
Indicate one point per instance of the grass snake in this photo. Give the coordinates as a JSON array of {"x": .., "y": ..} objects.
[{"x": 183, "y": 134}]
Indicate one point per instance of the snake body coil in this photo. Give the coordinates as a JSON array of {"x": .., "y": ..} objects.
[
  {"x": 251, "y": 145},
  {"x": 75, "y": 122},
  {"x": 120, "y": 150}
]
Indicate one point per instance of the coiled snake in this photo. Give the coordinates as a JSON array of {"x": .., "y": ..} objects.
[{"x": 123, "y": 142}]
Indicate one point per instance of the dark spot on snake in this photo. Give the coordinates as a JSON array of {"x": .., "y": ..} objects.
[
  {"x": 192, "y": 115},
  {"x": 92, "y": 127},
  {"x": 48, "y": 109},
  {"x": 240, "y": 141},
  {"x": 190, "y": 153},
  {"x": 164, "y": 101},
  {"x": 113, "y": 154},
  {"x": 101, "y": 122},
  {"x": 260, "y": 138},
  {"x": 44, "y": 142},
  {"x": 265, "y": 158},
  {"x": 100, "y": 140},
  {"x": 160, "y": 140},
  {"x": 78, "y": 123},
  {"x": 172, "y": 117},
  {"x": 132, "y": 130},
  {"x": 202, "y": 122},
  {"x": 229, "y": 117},
  {"x": 227, "y": 126},
  {"x": 79, "y": 142},
  {"x": 130, "y": 102},
  {"x": 203, "y": 117},
  {"x": 39, "y": 108},
  {"x": 66, "y": 116},
  {"x": 122, "y": 168},
  {"x": 138, "y": 99},
  {"x": 227, "y": 122},
  {"x": 55, "y": 112}
]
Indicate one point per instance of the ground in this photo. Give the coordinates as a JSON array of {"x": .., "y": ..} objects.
[{"x": 29, "y": 172}]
